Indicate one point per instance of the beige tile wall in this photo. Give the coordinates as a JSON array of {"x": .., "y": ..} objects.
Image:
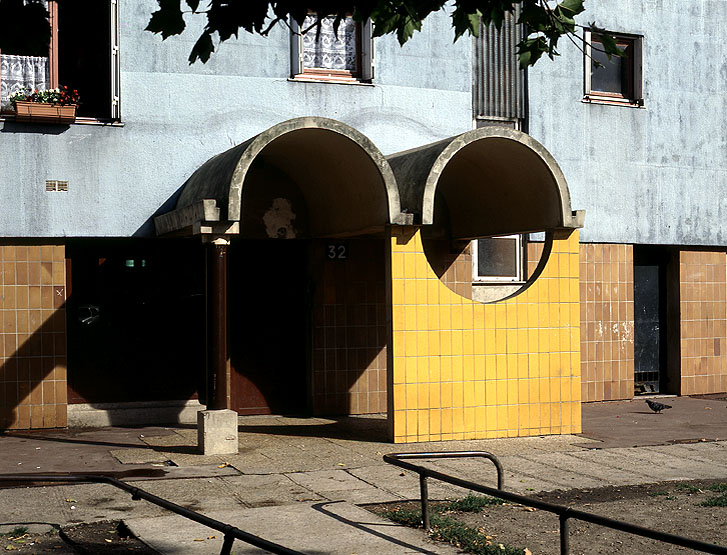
[
  {"x": 33, "y": 336},
  {"x": 607, "y": 321},
  {"x": 703, "y": 308}
]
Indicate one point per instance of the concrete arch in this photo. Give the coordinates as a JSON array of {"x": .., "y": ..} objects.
[
  {"x": 494, "y": 181},
  {"x": 341, "y": 180}
]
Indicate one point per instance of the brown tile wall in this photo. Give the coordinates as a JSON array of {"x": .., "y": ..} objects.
[
  {"x": 607, "y": 321},
  {"x": 452, "y": 262},
  {"x": 350, "y": 332},
  {"x": 33, "y": 333},
  {"x": 702, "y": 289},
  {"x": 534, "y": 252}
]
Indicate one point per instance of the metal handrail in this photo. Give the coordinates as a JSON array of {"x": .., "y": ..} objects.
[
  {"x": 424, "y": 488},
  {"x": 564, "y": 513},
  {"x": 231, "y": 533}
]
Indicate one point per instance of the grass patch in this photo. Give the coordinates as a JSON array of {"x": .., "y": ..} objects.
[
  {"x": 720, "y": 488},
  {"x": 689, "y": 488},
  {"x": 16, "y": 532},
  {"x": 718, "y": 501},
  {"x": 407, "y": 517},
  {"x": 715, "y": 501},
  {"x": 450, "y": 530},
  {"x": 472, "y": 503}
]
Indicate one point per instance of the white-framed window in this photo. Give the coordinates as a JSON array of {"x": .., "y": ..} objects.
[
  {"x": 618, "y": 80},
  {"x": 83, "y": 54},
  {"x": 327, "y": 55},
  {"x": 499, "y": 259}
]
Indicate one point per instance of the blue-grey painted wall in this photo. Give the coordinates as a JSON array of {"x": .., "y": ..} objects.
[
  {"x": 656, "y": 174},
  {"x": 176, "y": 116},
  {"x": 645, "y": 175}
]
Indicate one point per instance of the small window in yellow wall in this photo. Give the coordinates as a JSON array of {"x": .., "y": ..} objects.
[{"x": 499, "y": 259}]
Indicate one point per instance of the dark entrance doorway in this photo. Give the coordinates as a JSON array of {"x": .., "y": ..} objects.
[
  {"x": 651, "y": 264},
  {"x": 269, "y": 326},
  {"x": 135, "y": 317}
]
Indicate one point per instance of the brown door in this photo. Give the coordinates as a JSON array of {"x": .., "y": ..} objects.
[{"x": 268, "y": 326}]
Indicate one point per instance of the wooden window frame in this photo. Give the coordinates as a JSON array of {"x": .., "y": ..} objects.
[{"x": 632, "y": 92}]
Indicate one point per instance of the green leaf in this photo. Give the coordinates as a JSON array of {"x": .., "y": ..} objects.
[
  {"x": 167, "y": 20},
  {"x": 608, "y": 42},
  {"x": 464, "y": 22},
  {"x": 573, "y": 6},
  {"x": 534, "y": 17},
  {"x": 530, "y": 50},
  {"x": 609, "y": 45},
  {"x": 406, "y": 31},
  {"x": 202, "y": 49}
]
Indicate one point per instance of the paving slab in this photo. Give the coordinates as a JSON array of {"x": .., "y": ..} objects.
[
  {"x": 331, "y": 527},
  {"x": 714, "y": 454},
  {"x": 403, "y": 484},
  {"x": 268, "y": 489},
  {"x": 692, "y": 467},
  {"x": 631, "y": 423},
  {"x": 290, "y": 471},
  {"x": 617, "y": 466},
  {"x": 342, "y": 485}
]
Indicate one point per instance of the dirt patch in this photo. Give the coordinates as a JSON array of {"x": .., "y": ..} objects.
[
  {"x": 673, "y": 507},
  {"x": 107, "y": 538}
]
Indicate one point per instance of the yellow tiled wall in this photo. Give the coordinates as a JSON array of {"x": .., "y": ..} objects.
[
  {"x": 466, "y": 370},
  {"x": 33, "y": 336}
]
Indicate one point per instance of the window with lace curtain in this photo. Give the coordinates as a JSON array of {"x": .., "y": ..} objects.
[
  {"x": 81, "y": 53},
  {"x": 328, "y": 54},
  {"x": 25, "y": 62}
]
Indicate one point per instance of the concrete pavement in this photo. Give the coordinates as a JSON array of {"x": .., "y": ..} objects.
[{"x": 300, "y": 482}]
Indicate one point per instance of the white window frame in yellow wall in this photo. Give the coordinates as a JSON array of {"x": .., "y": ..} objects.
[{"x": 518, "y": 276}]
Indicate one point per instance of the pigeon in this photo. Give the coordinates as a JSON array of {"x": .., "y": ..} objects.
[{"x": 656, "y": 406}]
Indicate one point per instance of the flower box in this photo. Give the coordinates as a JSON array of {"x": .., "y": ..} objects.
[{"x": 40, "y": 112}]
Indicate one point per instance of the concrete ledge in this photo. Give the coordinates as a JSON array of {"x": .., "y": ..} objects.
[{"x": 143, "y": 413}]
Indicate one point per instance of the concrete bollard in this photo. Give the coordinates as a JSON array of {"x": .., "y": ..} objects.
[{"x": 217, "y": 432}]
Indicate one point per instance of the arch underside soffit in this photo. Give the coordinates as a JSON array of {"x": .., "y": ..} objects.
[
  {"x": 307, "y": 177},
  {"x": 482, "y": 183}
]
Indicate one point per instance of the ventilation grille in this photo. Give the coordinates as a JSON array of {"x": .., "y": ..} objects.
[
  {"x": 499, "y": 82},
  {"x": 56, "y": 185}
]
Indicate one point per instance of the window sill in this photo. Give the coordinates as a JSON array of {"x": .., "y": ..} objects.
[
  {"x": 98, "y": 121},
  {"x": 498, "y": 283},
  {"x": 303, "y": 78},
  {"x": 494, "y": 292},
  {"x": 78, "y": 121},
  {"x": 613, "y": 101}
]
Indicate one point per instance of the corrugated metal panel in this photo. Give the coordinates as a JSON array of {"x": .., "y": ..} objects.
[{"x": 499, "y": 83}]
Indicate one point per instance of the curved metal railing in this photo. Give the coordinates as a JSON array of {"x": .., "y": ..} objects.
[
  {"x": 564, "y": 513},
  {"x": 231, "y": 533}
]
